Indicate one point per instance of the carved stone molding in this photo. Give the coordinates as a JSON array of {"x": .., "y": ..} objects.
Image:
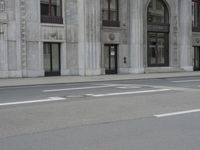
[
  {"x": 52, "y": 33},
  {"x": 1, "y": 32},
  {"x": 2, "y": 5},
  {"x": 196, "y": 41},
  {"x": 23, "y": 33}
]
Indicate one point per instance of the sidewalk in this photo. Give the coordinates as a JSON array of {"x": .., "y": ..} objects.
[{"x": 80, "y": 79}]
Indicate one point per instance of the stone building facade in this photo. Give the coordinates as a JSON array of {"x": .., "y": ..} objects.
[{"x": 95, "y": 37}]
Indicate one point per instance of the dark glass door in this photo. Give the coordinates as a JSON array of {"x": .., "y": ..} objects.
[
  {"x": 158, "y": 53},
  {"x": 110, "y": 59},
  {"x": 196, "y": 58},
  {"x": 52, "y": 59},
  {"x": 158, "y": 29}
]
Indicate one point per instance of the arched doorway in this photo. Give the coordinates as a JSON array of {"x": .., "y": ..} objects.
[{"x": 157, "y": 34}]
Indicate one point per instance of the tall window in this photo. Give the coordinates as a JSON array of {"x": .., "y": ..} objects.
[
  {"x": 196, "y": 15},
  {"x": 110, "y": 13},
  {"x": 51, "y": 11},
  {"x": 158, "y": 34}
]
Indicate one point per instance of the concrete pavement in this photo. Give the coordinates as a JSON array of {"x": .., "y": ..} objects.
[
  {"x": 79, "y": 122},
  {"x": 81, "y": 79}
]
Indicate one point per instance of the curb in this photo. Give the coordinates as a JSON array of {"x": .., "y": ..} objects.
[{"x": 77, "y": 79}]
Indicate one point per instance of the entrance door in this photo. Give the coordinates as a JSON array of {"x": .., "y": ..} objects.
[
  {"x": 196, "y": 58},
  {"x": 52, "y": 59},
  {"x": 158, "y": 29},
  {"x": 110, "y": 59},
  {"x": 158, "y": 54}
]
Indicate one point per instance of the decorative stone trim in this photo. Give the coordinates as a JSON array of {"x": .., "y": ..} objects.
[
  {"x": 1, "y": 32},
  {"x": 23, "y": 34},
  {"x": 196, "y": 41},
  {"x": 2, "y": 5}
]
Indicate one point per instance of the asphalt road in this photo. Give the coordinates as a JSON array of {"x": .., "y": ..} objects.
[{"x": 156, "y": 114}]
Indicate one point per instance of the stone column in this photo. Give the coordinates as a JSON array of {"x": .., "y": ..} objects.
[
  {"x": 185, "y": 35},
  {"x": 136, "y": 36},
  {"x": 3, "y": 41},
  {"x": 3, "y": 51},
  {"x": 89, "y": 46}
]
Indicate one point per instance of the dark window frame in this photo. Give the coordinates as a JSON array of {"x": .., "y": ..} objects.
[
  {"x": 50, "y": 18},
  {"x": 196, "y": 58},
  {"x": 196, "y": 15},
  {"x": 159, "y": 28},
  {"x": 51, "y": 72},
  {"x": 166, "y": 54},
  {"x": 110, "y": 71},
  {"x": 110, "y": 22}
]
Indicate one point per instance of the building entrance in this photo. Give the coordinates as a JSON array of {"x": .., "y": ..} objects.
[
  {"x": 52, "y": 59},
  {"x": 196, "y": 58},
  {"x": 158, "y": 34},
  {"x": 157, "y": 49},
  {"x": 110, "y": 59}
]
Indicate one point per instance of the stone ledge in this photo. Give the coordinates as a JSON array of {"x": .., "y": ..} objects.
[{"x": 162, "y": 69}]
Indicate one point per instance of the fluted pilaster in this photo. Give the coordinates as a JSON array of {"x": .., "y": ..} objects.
[
  {"x": 136, "y": 36},
  {"x": 185, "y": 34},
  {"x": 3, "y": 40},
  {"x": 89, "y": 37}
]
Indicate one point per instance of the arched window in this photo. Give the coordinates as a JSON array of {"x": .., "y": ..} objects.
[
  {"x": 110, "y": 12},
  {"x": 158, "y": 34},
  {"x": 158, "y": 12}
]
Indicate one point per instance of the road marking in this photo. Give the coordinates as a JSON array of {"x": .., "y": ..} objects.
[
  {"x": 127, "y": 93},
  {"x": 128, "y": 87},
  {"x": 177, "y": 113},
  {"x": 185, "y": 81},
  {"x": 50, "y": 99},
  {"x": 79, "y": 88}
]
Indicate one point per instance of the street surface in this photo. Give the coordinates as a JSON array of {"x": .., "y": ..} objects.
[{"x": 146, "y": 114}]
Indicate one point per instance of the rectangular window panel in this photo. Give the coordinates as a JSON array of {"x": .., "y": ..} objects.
[
  {"x": 112, "y": 58},
  {"x": 44, "y": 4},
  {"x": 55, "y": 58},
  {"x": 196, "y": 15},
  {"x": 196, "y": 58},
  {"x": 56, "y": 8},
  {"x": 47, "y": 57},
  {"x": 106, "y": 57},
  {"x": 51, "y": 11},
  {"x": 110, "y": 13}
]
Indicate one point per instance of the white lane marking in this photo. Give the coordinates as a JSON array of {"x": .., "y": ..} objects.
[
  {"x": 50, "y": 99},
  {"x": 79, "y": 88},
  {"x": 185, "y": 81},
  {"x": 128, "y": 87},
  {"x": 177, "y": 113},
  {"x": 127, "y": 93}
]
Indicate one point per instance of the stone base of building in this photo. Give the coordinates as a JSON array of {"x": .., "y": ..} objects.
[
  {"x": 71, "y": 72},
  {"x": 123, "y": 70},
  {"x": 35, "y": 73},
  {"x": 137, "y": 70},
  {"x": 188, "y": 68},
  {"x": 162, "y": 69}
]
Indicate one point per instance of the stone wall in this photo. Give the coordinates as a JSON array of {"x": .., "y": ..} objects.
[{"x": 82, "y": 37}]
